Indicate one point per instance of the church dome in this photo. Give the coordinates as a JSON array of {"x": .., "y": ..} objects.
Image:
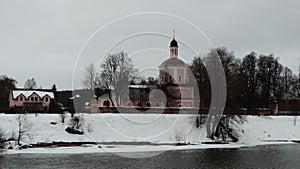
[
  {"x": 173, "y": 43},
  {"x": 173, "y": 62}
]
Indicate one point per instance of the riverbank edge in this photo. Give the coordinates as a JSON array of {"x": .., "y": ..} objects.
[{"x": 138, "y": 148}]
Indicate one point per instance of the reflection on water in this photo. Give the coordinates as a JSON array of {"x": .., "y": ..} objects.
[{"x": 272, "y": 156}]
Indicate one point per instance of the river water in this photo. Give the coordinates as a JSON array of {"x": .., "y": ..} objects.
[{"x": 270, "y": 156}]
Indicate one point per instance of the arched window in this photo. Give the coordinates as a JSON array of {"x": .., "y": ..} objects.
[
  {"x": 166, "y": 77},
  {"x": 129, "y": 104},
  {"x": 157, "y": 104},
  {"x": 148, "y": 104},
  {"x": 106, "y": 103},
  {"x": 139, "y": 104}
]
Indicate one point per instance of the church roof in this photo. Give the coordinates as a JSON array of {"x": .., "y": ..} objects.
[
  {"x": 173, "y": 43},
  {"x": 173, "y": 62}
]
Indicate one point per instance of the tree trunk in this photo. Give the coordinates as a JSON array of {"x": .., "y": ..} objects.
[
  {"x": 19, "y": 133},
  {"x": 111, "y": 100}
]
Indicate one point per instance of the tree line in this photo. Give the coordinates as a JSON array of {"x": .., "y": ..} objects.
[
  {"x": 251, "y": 81},
  {"x": 117, "y": 71}
]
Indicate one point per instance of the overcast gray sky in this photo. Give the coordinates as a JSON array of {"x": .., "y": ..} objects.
[{"x": 42, "y": 39}]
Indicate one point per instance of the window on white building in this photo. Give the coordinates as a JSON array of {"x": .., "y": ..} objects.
[{"x": 179, "y": 78}]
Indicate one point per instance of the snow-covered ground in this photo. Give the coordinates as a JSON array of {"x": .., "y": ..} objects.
[{"x": 153, "y": 128}]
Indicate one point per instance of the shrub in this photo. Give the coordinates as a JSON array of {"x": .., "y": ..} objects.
[{"x": 77, "y": 122}]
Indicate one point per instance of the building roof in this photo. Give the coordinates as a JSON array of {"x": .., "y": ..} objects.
[
  {"x": 27, "y": 93},
  {"x": 173, "y": 62},
  {"x": 173, "y": 43},
  {"x": 290, "y": 96}
]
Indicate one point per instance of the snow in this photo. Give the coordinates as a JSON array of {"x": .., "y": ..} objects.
[
  {"x": 159, "y": 130},
  {"x": 76, "y": 96},
  {"x": 28, "y": 93},
  {"x": 121, "y": 149},
  {"x": 138, "y": 86}
]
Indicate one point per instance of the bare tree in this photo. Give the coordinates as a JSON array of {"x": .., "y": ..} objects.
[
  {"x": 62, "y": 117},
  {"x": 228, "y": 127},
  {"x": 77, "y": 122},
  {"x": 91, "y": 77},
  {"x": 2, "y": 139},
  {"x": 298, "y": 83},
  {"x": 23, "y": 127},
  {"x": 117, "y": 72},
  {"x": 2, "y": 135},
  {"x": 288, "y": 79},
  {"x": 200, "y": 73},
  {"x": 249, "y": 80},
  {"x": 219, "y": 125},
  {"x": 30, "y": 84}
]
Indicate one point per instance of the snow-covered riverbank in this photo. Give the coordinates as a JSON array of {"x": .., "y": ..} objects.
[
  {"x": 153, "y": 128},
  {"x": 119, "y": 149}
]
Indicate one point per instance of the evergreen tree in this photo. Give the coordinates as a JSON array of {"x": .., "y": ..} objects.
[
  {"x": 54, "y": 89},
  {"x": 6, "y": 84}
]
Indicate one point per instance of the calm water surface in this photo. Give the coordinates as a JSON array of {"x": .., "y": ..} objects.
[{"x": 272, "y": 156}]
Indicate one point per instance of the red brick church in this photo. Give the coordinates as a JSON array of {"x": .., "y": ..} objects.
[
  {"x": 174, "y": 81},
  {"x": 174, "y": 76}
]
